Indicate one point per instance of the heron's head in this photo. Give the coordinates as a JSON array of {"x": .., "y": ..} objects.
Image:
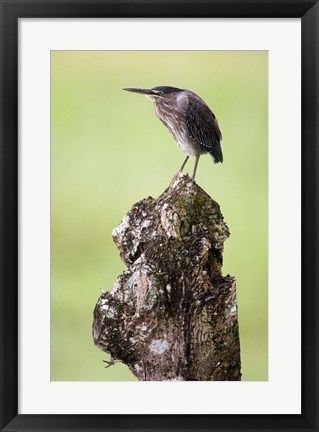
[{"x": 156, "y": 92}]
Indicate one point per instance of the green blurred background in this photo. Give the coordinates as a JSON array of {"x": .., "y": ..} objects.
[{"x": 109, "y": 150}]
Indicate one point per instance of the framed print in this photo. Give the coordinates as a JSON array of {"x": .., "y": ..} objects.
[{"x": 218, "y": 336}]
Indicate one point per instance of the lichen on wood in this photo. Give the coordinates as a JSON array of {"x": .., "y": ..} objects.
[{"x": 171, "y": 315}]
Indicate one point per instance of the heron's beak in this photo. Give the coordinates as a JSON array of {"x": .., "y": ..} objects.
[{"x": 141, "y": 91}]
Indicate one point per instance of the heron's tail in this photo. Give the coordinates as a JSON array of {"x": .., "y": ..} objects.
[{"x": 216, "y": 153}]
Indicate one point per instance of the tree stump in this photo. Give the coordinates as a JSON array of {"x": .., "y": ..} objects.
[{"x": 171, "y": 315}]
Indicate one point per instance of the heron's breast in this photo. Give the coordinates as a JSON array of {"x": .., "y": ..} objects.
[{"x": 173, "y": 119}]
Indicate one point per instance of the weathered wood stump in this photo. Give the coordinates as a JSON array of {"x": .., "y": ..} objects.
[{"x": 171, "y": 315}]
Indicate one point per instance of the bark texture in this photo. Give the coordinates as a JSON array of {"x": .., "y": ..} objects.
[{"x": 171, "y": 315}]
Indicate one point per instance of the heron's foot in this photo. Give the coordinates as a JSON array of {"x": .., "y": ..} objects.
[
  {"x": 111, "y": 362},
  {"x": 179, "y": 175},
  {"x": 175, "y": 177},
  {"x": 179, "y": 181}
]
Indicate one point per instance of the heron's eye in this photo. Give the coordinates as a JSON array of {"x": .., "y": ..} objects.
[{"x": 159, "y": 92}]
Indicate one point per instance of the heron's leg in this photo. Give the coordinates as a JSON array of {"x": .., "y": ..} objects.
[
  {"x": 183, "y": 164},
  {"x": 195, "y": 167},
  {"x": 179, "y": 171}
]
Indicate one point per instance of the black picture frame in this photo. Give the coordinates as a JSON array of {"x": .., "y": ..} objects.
[{"x": 11, "y": 11}]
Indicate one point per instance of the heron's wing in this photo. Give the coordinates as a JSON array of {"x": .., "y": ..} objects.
[{"x": 203, "y": 128}]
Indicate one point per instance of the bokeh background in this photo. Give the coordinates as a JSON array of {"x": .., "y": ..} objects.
[{"x": 108, "y": 151}]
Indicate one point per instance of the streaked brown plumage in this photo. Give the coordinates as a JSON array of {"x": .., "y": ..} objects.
[{"x": 189, "y": 119}]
